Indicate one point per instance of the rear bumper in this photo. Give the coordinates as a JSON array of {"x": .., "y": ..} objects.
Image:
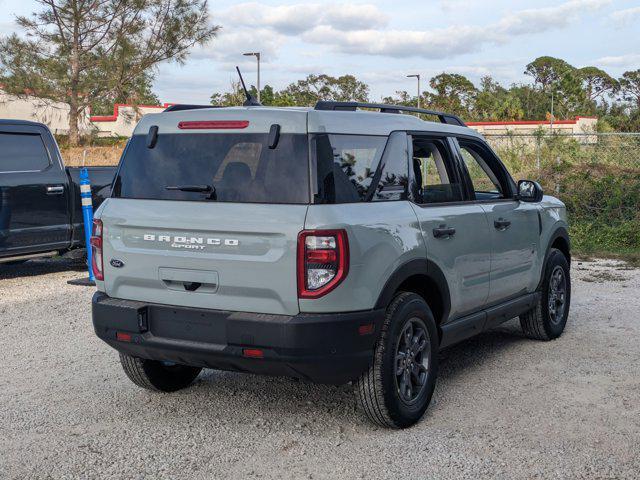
[{"x": 323, "y": 348}]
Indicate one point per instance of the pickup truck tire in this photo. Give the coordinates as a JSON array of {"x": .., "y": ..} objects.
[
  {"x": 396, "y": 389},
  {"x": 548, "y": 318},
  {"x": 156, "y": 376}
]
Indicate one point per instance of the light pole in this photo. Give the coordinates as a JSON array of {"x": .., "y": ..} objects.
[
  {"x": 257, "y": 55},
  {"x": 417, "y": 75}
]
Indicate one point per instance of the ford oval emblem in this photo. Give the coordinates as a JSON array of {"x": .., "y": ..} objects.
[{"x": 116, "y": 263}]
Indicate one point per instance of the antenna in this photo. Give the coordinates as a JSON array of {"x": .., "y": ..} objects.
[{"x": 250, "y": 101}]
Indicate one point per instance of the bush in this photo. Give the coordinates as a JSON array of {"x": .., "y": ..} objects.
[{"x": 597, "y": 177}]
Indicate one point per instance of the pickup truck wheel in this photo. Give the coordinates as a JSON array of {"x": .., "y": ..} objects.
[
  {"x": 396, "y": 389},
  {"x": 158, "y": 376},
  {"x": 548, "y": 318}
]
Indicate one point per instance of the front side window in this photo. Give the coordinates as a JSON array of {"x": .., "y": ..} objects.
[
  {"x": 345, "y": 166},
  {"x": 22, "y": 152},
  {"x": 435, "y": 180},
  {"x": 485, "y": 179}
]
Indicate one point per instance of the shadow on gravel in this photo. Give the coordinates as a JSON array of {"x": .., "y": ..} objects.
[
  {"x": 35, "y": 267},
  {"x": 477, "y": 350},
  {"x": 278, "y": 397}
]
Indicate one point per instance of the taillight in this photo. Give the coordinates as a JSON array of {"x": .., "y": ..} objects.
[
  {"x": 323, "y": 261},
  {"x": 213, "y": 124},
  {"x": 97, "y": 264}
]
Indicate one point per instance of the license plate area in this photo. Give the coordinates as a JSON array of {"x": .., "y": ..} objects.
[{"x": 189, "y": 325}]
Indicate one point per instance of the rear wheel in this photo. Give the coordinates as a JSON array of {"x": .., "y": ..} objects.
[
  {"x": 158, "y": 376},
  {"x": 396, "y": 389},
  {"x": 548, "y": 318}
]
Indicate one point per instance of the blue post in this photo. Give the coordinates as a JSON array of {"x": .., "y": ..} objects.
[{"x": 87, "y": 214}]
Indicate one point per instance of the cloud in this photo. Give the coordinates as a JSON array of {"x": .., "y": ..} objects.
[
  {"x": 451, "y": 41},
  {"x": 538, "y": 20},
  {"x": 231, "y": 44},
  {"x": 439, "y": 43},
  {"x": 297, "y": 18},
  {"x": 623, "y": 61},
  {"x": 363, "y": 28},
  {"x": 626, "y": 16}
]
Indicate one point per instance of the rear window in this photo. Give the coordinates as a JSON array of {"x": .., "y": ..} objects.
[
  {"x": 238, "y": 168},
  {"x": 345, "y": 165},
  {"x": 21, "y": 152}
]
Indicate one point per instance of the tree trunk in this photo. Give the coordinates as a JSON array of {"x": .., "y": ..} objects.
[
  {"x": 74, "y": 134},
  {"x": 74, "y": 94}
]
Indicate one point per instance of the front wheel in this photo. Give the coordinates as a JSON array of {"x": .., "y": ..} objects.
[
  {"x": 396, "y": 389},
  {"x": 548, "y": 318},
  {"x": 158, "y": 376}
]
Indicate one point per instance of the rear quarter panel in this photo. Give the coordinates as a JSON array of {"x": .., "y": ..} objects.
[{"x": 382, "y": 237}]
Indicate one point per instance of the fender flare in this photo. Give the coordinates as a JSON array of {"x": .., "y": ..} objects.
[
  {"x": 559, "y": 232},
  {"x": 416, "y": 267}
]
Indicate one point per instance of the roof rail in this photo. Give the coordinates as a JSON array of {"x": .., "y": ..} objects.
[
  {"x": 352, "y": 106},
  {"x": 178, "y": 107}
]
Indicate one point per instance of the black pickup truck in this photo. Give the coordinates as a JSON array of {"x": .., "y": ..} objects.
[{"x": 40, "y": 210}]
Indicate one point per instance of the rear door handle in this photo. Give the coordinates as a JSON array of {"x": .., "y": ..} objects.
[
  {"x": 501, "y": 224},
  {"x": 444, "y": 232},
  {"x": 55, "y": 189}
]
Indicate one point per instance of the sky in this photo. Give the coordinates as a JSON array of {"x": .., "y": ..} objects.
[{"x": 380, "y": 42}]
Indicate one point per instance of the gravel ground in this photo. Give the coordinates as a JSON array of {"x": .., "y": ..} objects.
[{"x": 504, "y": 407}]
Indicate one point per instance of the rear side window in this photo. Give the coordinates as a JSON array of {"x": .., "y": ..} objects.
[
  {"x": 238, "y": 167},
  {"x": 345, "y": 165},
  {"x": 20, "y": 152}
]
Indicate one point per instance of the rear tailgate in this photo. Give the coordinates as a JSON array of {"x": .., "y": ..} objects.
[
  {"x": 206, "y": 209},
  {"x": 239, "y": 257}
]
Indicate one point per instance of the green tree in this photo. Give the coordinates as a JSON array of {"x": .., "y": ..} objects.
[
  {"x": 561, "y": 82},
  {"x": 138, "y": 92},
  {"x": 80, "y": 51},
  {"x": 232, "y": 98},
  {"x": 547, "y": 71},
  {"x": 630, "y": 86},
  {"x": 401, "y": 97},
  {"x": 534, "y": 102},
  {"x": 313, "y": 88},
  {"x": 597, "y": 83},
  {"x": 453, "y": 93},
  {"x": 494, "y": 102}
]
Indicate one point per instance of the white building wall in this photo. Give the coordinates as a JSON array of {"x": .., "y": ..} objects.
[
  {"x": 53, "y": 114},
  {"x": 123, "y": 120},
  {"x": 526, "y": 127}
]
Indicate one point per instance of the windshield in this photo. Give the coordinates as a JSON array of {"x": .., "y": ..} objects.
[{"x": 216, "y": 167}]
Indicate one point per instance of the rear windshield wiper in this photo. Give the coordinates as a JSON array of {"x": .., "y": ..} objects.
[{"x": 211, "y": 190}]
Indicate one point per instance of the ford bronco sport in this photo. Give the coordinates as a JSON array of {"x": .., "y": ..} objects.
[{"x": 347, "y": 242}]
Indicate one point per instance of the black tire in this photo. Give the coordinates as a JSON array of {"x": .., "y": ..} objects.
[
  {"x": 156, "y": 376},
  {"x": 378, "y": 390},
  {"x": 546, "y": 321}
]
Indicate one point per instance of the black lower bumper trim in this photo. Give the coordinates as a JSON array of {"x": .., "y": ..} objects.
[{"x": 324, "y": 348}]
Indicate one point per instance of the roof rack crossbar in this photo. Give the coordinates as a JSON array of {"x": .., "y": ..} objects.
[{"x": 384, "y": 108}]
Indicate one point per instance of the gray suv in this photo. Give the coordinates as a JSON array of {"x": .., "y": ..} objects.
[{"x": 345, "y": 243}]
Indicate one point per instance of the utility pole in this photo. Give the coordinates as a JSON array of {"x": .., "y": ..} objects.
[
  {"x": 257, "y": 55},
  {"x": 417, "y": 75}
]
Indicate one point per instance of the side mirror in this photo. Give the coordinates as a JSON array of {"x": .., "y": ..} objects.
[{"x": 529, "y": 191}]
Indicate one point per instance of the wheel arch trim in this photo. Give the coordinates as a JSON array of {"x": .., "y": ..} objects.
[{"x": 409, "y": 269}]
